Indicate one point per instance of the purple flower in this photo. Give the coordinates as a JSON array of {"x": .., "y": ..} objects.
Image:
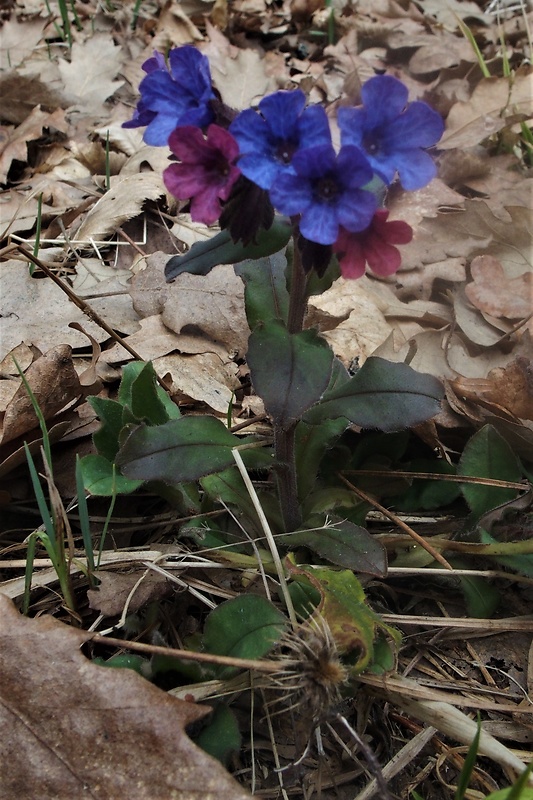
[
  {"x": 325, "y": 190},
  {"x": 393, "y": 132},
  {"x": 173, "y": 96},
  {"x": 206, "y": 173},
  {"x": 268, "y": 141},
  {"x": 374, "y": 246}
]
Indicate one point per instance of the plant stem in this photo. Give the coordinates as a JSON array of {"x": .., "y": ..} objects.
[
  {"x": 298, "y": 295},
  {"x": 286, "y": 477},
  {"x": 284, "y": 437}
]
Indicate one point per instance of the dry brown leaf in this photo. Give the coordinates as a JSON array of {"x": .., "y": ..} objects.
[
  {"x": 351, "y": 318},
  {"x": 14, "y": 141},
  {"x": 204, "y": 377},
  {"x": 512, "y": 387},
  {"x": 242, "y": 80},
  {"x": 446, "y": 13},
  {"x": 19, "y": 94},
  {"x": 19, "y": 39},
  {"x": 54, "y": 383},
  {"x": 471, "y": 322},
  {"x": 123, "y": 201},
  {"x": 212, "y": 304},
  {"x": 474, "y": 231},
  {"x": 36, "y": 311},
  {"x": 115, "y": 588},
  {"x": 78, "y": 729},
  {"x": 495, "y": 103},
  {"x": 493, "y": 292},
  {"x": 88, "y": 76},
  {"x": 154, "y": 340}
]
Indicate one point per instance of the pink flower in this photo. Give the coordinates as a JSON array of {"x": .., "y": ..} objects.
[
  {"x": 206, "y": 172},
  {"x": 374, "y": 246}
]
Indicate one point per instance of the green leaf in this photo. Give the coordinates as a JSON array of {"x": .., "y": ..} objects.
[
  {"x": 100, "y": 479},
  {"x": 290, "y": 371},
  {"x": 353, "y": 624},
  {"x": 428, "y": 494},
  {"x": 482, "y": 599},
  {"x": 468, "y": 766},
  {"x": 383, "y": 395},
  {"x": 182, "y": 449},
  {"x": 312, "y": 442},
  {"x": 523, "y": 564},
  {"x": 344, "y": 544},
  {"x": 221, "y": 737},
  {"x": 265, "y": 294},
  {"x": 228, "y": 486},
  {"x": 221, "y": 249},
  {"x": 243, "y": 627},
  {"x": 487, "y": 455},
  {"x": 106, "y": 438},
  {"x": 146, "y": 404},
  {"x": 130, "y": 371}
]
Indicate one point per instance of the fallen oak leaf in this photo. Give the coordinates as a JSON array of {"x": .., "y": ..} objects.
[{"x": 104, "y": 733}]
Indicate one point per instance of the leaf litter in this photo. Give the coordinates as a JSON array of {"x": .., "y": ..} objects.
[{"x": 459, "y": 309}]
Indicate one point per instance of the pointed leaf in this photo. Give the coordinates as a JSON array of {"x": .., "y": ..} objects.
[
  {"x": 100, "y": 479},
  {"x": 221, "y": 249},
  {"x": 383, "y": 395},
  {"x": 290, "y": 371},
  {"x": 344, "y": 544},
  {"x": 312, "y": 441},
  {"x": 244, "y": 627},
  {"x": 145, "y": 401},
  {"x": 110, "y": 414},
  {"x": 182, "y": 449},
  {"x": 265, "y": 293},
  {"x": 487, "y": 455}
]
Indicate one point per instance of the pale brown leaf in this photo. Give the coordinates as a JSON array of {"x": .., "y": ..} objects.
[
  {"x": 123, "y": 201},
  {"x": 79, "y": 730},
  {"x": 54, "y": 384},
  {"x": 492, "y": 291},
  {"x": 88, "y": 76}
]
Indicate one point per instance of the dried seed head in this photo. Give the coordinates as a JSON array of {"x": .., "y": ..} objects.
[{"x": 313, "y": 674}]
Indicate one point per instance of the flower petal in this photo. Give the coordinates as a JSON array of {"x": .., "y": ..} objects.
[
  {"x": 291, "y": 194},
  {"x": 418, "y": 126},
  {"x": 319, "y": 223},
  {"x": 356, "y": 209},
  {"x": 415, "y": 168},
  {"x": 384, "y": 98},
  {"x": 281, "y": 110},
  {"x": 314, "y": 162}
]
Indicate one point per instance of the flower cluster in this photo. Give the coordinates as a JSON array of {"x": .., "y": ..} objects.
[{"x": 281, "y": 155}]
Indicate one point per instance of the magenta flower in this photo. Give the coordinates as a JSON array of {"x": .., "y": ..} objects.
[
  {"x": 373, "y": 246},
  {"x": 206, "y": 172}
]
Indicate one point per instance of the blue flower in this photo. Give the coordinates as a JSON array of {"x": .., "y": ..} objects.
[
  {"x": 173, "y": 96},
  {"x": 269, "y": 140},
  {"x": 393, "y": 132},
  {"x": 325, "y": 190}
]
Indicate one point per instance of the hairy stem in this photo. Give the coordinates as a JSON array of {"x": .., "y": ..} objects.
[{"x": 284, "y": 437}]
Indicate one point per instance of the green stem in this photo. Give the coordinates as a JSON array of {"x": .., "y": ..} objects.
[
  {"x": 298, "y": 294},
  {"x": 284, "y": 437}
]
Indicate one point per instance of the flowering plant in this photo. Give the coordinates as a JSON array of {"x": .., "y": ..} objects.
[{"x": 267, "y": 174}]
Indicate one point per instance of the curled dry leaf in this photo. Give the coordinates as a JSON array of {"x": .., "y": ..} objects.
[
  {"x": 494, "y": 293},
  {"x": 14, "y": 141},
  {"x": 54, "y": 383},
  {"x": 115, "y": 589},
  {"x": 89, "y": 730},
  {"x": 123, "y": 201}
]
